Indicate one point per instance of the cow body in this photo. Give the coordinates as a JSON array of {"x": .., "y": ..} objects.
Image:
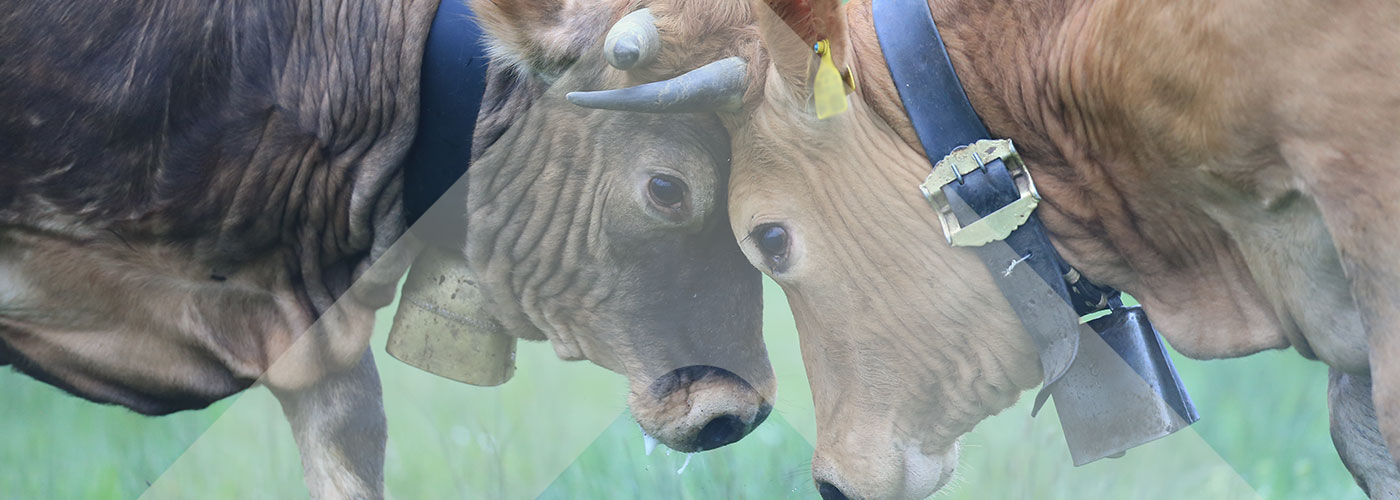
[
  {"x": 1171, "y": 165},
  {"x": 1187, "y": 155},
  {"x": 1224, "y": 162},
  {"x": 195, "y": 179},
  {"x": 187, "y": 188},
  {"x": 197, "y": 198}
]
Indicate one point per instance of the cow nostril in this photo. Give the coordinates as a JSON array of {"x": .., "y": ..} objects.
[
  {"x": 723, "y": 430},
  {"x": 763, "y": 411},
  {"x": 829, "y": 492}
]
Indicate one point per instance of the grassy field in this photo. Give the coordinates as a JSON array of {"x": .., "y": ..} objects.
[{"x": 559, "y": 430}]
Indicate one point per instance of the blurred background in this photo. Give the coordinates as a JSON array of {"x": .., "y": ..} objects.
[{"x": 560, "y": 430}]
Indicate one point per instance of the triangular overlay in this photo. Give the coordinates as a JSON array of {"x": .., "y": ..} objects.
[
  {"x": 445, "y": 438},
  {"x": 54, "y": 445}
]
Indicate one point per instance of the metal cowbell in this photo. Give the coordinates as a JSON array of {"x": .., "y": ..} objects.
[
  {"x": 443, "y": 327},
  {"x": 1121, "y": 391}
]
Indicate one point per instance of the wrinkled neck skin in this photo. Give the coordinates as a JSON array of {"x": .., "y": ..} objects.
[
  {"x": 525, "y": 170},
  {"x": 537, "y": 201},
  {"x": 357, "y": 95},
  {"x": 1112, "y": 145}
]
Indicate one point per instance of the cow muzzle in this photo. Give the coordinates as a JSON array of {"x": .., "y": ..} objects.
[
  {"x": 698, "y": 408},
  {"x": 902, "y": 473}
]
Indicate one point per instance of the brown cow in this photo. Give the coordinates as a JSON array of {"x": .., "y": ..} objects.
[
  {"x": 189, "y": 190},
  {"x": 1225, "y": 162}
]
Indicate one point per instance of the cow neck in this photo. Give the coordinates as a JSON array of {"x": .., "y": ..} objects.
[
  {"x": 453, "y": 82},
  {"x": 944, "y": 120},
  {"x": 967, "y": 190},
  {"x": 441, "y": 288}
]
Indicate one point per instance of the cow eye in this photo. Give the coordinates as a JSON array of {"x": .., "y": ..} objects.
[
  {"x": 667, "y": 191},
  {"x": 772, "y": 241}
]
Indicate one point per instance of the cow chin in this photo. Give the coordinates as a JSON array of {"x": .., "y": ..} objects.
[
  {"x": 698, "y": 408},
  {"x": 904, "y": 471}
]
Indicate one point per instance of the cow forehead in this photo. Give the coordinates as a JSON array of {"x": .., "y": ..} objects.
[{"x": 663, "y": 130}]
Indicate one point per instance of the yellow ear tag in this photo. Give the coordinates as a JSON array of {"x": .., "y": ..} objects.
[{"x": 829, "y": 90}]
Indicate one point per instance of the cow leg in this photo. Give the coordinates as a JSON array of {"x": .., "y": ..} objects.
[
  {"x": 339, "y": 426},
  {"x": 1377, "y": 291},
  {"x": 1358, "y": 438},
  {"x": 1373, "y": 266},
  {"x": 1353, "y": 176}
]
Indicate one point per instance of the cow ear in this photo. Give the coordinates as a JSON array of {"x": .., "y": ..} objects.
[
  {"x": 540, "y": 39},
  {"x": 790, "y": 29}
]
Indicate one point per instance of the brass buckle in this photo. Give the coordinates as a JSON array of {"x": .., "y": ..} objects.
[{"x": 997, "y": 225}]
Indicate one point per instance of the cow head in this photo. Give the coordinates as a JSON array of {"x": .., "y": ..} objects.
[
  {"x": 907, "y": 342},
  {"x": 607, "y": 233}
]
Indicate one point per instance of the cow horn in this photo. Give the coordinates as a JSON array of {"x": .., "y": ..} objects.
[
  {"x": 718, "y": 86},
  {"x": 633, "y": 41}
]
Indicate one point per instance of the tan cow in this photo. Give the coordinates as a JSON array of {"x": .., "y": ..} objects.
[{"x": 1225, "y": 162}]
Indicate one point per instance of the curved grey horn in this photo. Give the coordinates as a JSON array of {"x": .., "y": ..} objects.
[
  {"x": 633, "y": 41},
  {"x": 718, "y": 86}
]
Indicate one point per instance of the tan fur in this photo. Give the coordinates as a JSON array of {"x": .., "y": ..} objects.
[{"x": 1224, "y": 162}]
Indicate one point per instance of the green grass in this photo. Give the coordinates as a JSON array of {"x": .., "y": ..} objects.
[
  {"x": 766, "y": 464},
  {"x": 559, "y": 430}
]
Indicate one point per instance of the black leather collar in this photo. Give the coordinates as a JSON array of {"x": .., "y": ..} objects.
[
  {"x": 452, "y": 85},
  {"x": 945, "y": 120}
]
